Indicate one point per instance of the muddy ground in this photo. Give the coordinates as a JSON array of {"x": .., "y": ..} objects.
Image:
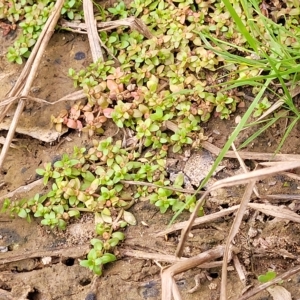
[{"x": 24, "y": 274}]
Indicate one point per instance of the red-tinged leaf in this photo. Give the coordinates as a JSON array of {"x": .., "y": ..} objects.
[
  {"x": 75, "y": 113},
  {"x": 112, "y": 86},
  {"x": 121, "y": 87},
  {"x": 89, "y": 116},
  {"x": 79, "y": 125},
  {"x": 102, "y": 119},
  {"x": 71, "y": 124},
  {"x": 107, "y": 112}
]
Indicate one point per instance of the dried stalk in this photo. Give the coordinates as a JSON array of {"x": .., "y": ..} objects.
[
  {"x": 75, "y": 96},
  {"x": 169, "y": 287},
  {"x": 251, "y": 155},
  {"x": 132, "y": 22},
  {"x": 22, "y": 189},
  {"x": 164, "y": 257},
  {"x": 198, "y": 221},
  {"x": 233, "y": 231},
  {"x": 74, "y": 252},
  {"x": 91, "y": 26},
  {"x": 29, "y": 74},
  {"x": 232, "y": 181}
]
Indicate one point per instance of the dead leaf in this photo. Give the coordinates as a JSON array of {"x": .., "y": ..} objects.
[
  {"x": 276, "y": 211},
  {"x": 279, "y": 293}
]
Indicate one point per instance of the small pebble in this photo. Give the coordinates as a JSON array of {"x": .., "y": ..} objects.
[
  {"x": 3, "y": 249},
  {"x": 91, "y": 296},
  {"x": 79, "y": 56}
]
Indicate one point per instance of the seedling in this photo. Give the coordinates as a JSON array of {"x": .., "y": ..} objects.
[{"x": 268, "y": 276}]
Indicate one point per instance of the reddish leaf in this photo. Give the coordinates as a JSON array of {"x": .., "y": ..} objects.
[
  {"x": 112, "y": 86},
  {"x": 71, "y": 124},
  {"x": 89, "y": 117},
  {"x": 79, "y": 125},
  {"x": 107, "y": 112},
  {"x": 102, "y": 119}
]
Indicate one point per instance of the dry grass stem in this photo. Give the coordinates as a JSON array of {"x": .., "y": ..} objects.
[
  {"x": 74, "y": 252},
  {"x": 232, "y": 233},
  {"x": 187, "y": 191},
  {"x": 22, "y": 189},
  {"x": 132, "y": 22},
  {"x": 282, "y": 197},
  {"x": 276, "y": 211},
  {"x": 78, "y": 95},
  {"x": 169, "y": 287},
  {"x": 199, "y": 221},
  {"x": 244, "y": 167},
  {"x": 28, "y": 75},
  {"x": 275, "y": 106},
  {"x": 251, "y": 155},
  {"x": 231, "y": 181},
  {"x": 165, "y": 258},
  {"x": 91, "y": 26},
  {"x": 239, "y": 269}
]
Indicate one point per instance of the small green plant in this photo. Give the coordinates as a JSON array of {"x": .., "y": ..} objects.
[
  {"x": 119, "y": 10},
  {"x": 261, "y": 107},
  {"x": 98, "y": 255},
  {"x": 268, "y": 276},
  {"x": 32, "y": 17}
]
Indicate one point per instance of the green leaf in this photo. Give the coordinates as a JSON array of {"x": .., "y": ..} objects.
[
  {"x": 92, "y": 254},
  {"x": 40, "y": 172},
  {"x": 97, "y": 270},
  {"x": 107, "y": 258},
  {"x": 5, "y": 205},
  {"x": 55, "y": 174},
  {"x": 94, "y": 241},
  {"x": 22, "y": 213},
  {"x": 270, "y": 275},
  {"x": 74, "y": 213},
  {"x": 113, "y": 242},
  {"x": 86, "y": 263},
  {"x": 119, "y": 235}
]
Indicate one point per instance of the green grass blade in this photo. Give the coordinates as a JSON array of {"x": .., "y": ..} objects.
[{"x": 286, "y": 134}]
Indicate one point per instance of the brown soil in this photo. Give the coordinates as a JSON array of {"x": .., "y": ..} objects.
[{"x": 265, "y": 243}]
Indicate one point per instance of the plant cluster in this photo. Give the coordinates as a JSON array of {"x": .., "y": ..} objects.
[
  {"x": 169, "y": 79},
  {"x": 31, "y": 17},
  {"x": 95, "y": 180}
]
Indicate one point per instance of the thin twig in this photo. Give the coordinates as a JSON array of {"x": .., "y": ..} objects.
[
  {"x": 187, "y": 191},
  {"x": 182, "y": 266},
  {"x": 74, "y": 252},
  {"x": 164, "y": 257},
  {"x": 198, "y": 221},
  {"x": 22, "y": 189},
  {"x": 132, "y": 22},
  {"x": 75, "y": 96},
  {"x": 251, "y": 155},
  {"x": 244, "y": 167},
  {"x": 233, "y": 231}
]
